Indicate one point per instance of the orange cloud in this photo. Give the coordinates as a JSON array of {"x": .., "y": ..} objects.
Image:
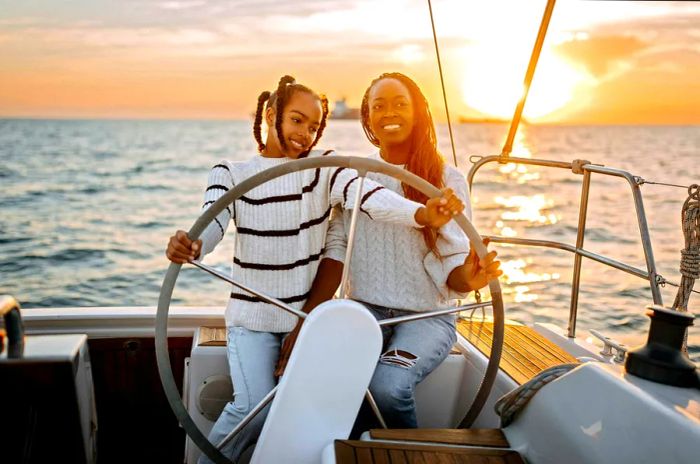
[{"x": 600, "y": 54}]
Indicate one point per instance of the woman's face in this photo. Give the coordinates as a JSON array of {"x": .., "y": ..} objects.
[
  {"x": 300, "y": 123},
  {"x": 391, "y": 114}
]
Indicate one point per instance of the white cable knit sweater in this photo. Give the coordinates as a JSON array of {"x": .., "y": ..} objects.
[
  {"x": 391, "y": 265},
  {"x": 281, "y": 232}
]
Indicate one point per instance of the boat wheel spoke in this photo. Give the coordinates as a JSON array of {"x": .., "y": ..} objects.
[
  {"x": 351, "y": 236},
  {"x": 262, "y": 296}
]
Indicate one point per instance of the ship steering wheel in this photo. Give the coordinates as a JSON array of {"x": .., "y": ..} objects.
[{"x": 362, "y": 166}]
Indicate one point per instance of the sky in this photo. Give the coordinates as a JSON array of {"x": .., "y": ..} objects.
[{"x": 602, "y": 63}]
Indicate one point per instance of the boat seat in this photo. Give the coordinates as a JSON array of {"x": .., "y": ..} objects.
[
  {"x": 369, "y": 452},
  {"x": 321, "y": 391},
  {"x": 526, "y": 353}
]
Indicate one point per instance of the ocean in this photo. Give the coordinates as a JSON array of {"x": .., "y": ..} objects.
[{"x": 88, "y": 205}]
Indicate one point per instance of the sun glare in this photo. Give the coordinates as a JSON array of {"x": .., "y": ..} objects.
[{"x": 493, "y": 82}]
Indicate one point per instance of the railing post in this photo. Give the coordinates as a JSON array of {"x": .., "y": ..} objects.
[
  {"x": 646, "y": 244},
  {"x": 580, "y": 235}
]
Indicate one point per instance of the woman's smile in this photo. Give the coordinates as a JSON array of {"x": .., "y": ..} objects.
[{"x": 391, "y": 112}]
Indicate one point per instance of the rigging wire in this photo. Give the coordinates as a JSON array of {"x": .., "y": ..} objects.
[
  {"x": 664, "y": 282},
  {"x": 442, "y": 82},
  {"x": 641, "y": 181}
]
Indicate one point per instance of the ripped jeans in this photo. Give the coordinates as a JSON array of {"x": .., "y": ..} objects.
[{"x": 412, "y": 350}]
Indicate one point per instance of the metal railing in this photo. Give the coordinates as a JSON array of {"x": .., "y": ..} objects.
[{"x": 585, "y": 168}]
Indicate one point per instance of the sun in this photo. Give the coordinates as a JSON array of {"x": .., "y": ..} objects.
[{"x": 493, "y": 82}]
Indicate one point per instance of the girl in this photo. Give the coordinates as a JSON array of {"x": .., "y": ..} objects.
[
  {"x": 398, "y": 270},
  {"x": 280, "y": 236}
]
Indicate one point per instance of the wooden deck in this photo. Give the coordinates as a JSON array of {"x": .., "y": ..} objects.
[
  {"x": 492, "y": 438},
  {"x": 212, "y": 336},
  {"x": 526, "y": 353},
  {"x": 369, "y": 452}
]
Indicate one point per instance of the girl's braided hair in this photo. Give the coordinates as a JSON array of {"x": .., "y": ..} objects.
[{"x": 278, "y": 99}]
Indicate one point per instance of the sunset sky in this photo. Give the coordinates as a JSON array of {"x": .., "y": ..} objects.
[{"x": 603, "y": 62}]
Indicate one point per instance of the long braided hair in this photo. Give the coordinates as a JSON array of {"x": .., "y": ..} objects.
[
  {"x": 278, "y": 99},
  {"x": 425, "y": 161}
]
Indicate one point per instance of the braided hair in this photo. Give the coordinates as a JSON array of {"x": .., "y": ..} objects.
[
  {"x": 278, "y": 99},
  {"x": 425, "y": 161},
  {"x": 262, "y": 98}
]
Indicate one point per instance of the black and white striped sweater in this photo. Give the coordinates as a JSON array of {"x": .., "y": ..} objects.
[{"x": 281, "y": 231}]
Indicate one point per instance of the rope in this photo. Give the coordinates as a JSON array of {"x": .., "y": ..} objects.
[
  {"x": 690, "y": 255},
  {"x": 510, "y": 405},
  {"x": 442, "y": 82}
]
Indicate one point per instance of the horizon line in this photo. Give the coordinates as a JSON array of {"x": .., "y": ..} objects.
[{"x": 240, "y": 119}]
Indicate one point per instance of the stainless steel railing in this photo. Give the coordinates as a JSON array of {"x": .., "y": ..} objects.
[{"x": 585, "y": 169}]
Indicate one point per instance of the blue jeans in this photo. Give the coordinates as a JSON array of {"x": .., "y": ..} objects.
[
  {"x": 252, "y": 357},
  {"x": 412, "y": 350}
]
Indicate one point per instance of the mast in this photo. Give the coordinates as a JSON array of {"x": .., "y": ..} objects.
[{"x": 515, "y": 122}]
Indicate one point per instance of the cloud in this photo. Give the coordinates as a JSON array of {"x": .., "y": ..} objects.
[
  {"x": 601, "y": 55},
  {"x": 182, "y": 5}
]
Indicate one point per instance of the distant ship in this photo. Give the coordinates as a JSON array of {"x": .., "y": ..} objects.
[{"x": 342, "y": 111}]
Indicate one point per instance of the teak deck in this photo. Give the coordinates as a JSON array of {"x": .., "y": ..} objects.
[
  {"x": 370, "y": 452},
  {"x": 212, "y": 336},
  {"x": 525, "y": 352},
  {"x": 491, "y": 438}
]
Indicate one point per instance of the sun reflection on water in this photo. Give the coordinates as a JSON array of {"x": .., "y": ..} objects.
[
  {"x": 516, "y": 212},
  {"x": 515, "y": 272},
  {"x": 522, "y": 295},
  {"x": 519, "y": 173},
  {"x": 529, "y": 208}
]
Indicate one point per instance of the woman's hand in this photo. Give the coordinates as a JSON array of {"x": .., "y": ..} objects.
[
  {"x": 438, "y": 211},
  {"x": 475, "y": 273},
  {"x": 181, "y": 249}
]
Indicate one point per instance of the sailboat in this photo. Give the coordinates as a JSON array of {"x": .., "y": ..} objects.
[{"x": 144, "y": 384}]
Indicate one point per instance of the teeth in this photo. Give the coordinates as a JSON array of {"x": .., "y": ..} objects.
[
  {"x": 297, "y": 144},
  {"x": 392, "y": 127}
]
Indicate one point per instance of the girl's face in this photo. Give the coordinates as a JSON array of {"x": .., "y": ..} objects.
[
  {"x": 300, "y": 122},
  {"x": 391, "y": 114}
]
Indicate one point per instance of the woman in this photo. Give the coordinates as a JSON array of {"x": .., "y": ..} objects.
[{"x": 397, "y": 269}]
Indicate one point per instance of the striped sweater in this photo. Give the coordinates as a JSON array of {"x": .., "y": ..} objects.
[{"x": 281, "y": 231}]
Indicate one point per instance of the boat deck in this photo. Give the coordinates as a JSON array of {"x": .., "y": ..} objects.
[
  {"x": 485, "y": 446},
  {"x": 493, "y": 438},
  {"x": 526, "y": 353}
]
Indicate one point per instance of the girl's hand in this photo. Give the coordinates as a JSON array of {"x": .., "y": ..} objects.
[
  {"x": 286, "y": 350},
  {"x": 438, "y": 211},
  {"x": 181, "y": 249}
]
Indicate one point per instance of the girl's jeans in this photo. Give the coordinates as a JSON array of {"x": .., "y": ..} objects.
[
  {"x": 252, "y": 357},
  {"x": 412, "y": 350}
]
